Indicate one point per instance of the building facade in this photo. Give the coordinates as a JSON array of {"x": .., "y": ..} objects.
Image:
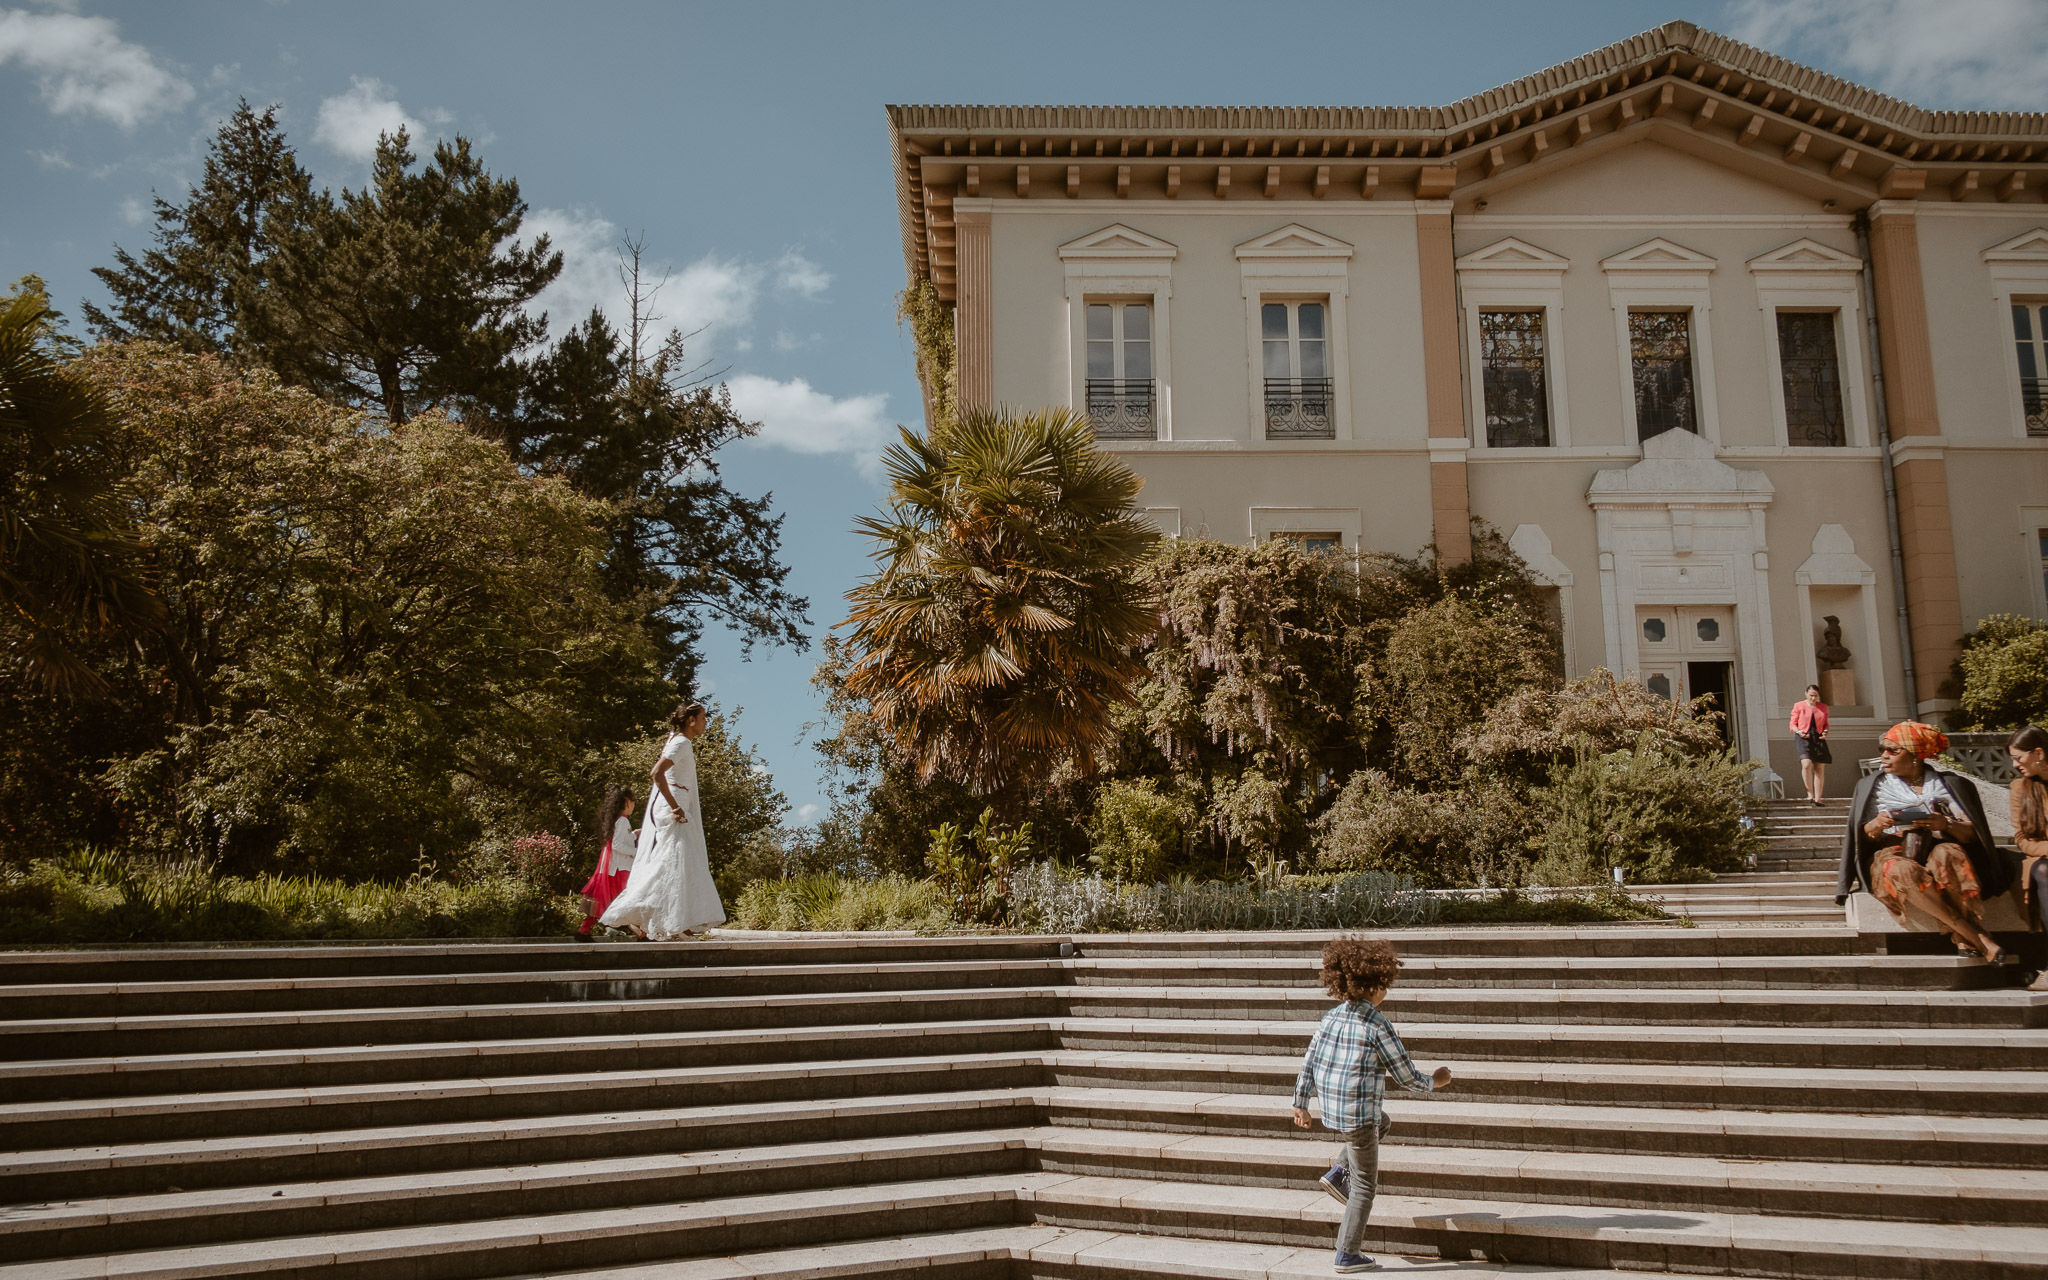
[{"x": 1747, "y": 361}]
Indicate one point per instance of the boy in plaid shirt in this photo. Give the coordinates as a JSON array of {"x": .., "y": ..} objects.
[{"x": 1349, "y": 1058}]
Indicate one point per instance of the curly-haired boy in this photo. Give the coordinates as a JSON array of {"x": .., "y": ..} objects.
[{"x": 1349, "y": 1058}]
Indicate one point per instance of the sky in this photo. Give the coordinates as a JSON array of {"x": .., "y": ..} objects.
[{"x": 745, "y": 144}]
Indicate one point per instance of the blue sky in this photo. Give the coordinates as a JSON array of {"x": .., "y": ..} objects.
[{"x": 746, "y": 143}]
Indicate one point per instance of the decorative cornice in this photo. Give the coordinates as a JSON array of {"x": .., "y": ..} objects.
[{"x": 1819, "y": 134}]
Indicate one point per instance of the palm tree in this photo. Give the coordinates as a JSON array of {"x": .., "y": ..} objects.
[
  {"x": 71, "y": 567},
  {"x": 997, "y": 633}
]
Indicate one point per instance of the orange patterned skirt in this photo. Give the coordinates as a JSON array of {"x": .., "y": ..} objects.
[{"x": 1946, "y": 881}]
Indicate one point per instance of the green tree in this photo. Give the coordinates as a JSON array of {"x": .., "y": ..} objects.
[
  {"x": 397, "y": 640},
  {"x": 193, "y": 290},
  {"x": 995, "y": 638},
  {"x": 635, "y": 432},
  {"x": 1444, "y": 666},
  {"x": 2003, "y": 672},
  {"x": 72, "y": 568},
  {"x": 412, "y": 293}
]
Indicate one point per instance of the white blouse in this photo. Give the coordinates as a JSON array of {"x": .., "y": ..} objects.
[
  {"x": 623, "y": 842},
  {"x": 1895, "y": 793}
]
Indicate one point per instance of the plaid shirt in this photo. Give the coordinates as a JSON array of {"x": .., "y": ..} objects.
[{"x": 1348, "y": 1060}]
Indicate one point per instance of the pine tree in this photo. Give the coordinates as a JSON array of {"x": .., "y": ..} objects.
[
  {"x": 411, "y": 293},
  {"x": 212, "y": 252}
]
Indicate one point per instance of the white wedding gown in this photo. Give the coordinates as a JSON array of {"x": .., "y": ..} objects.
[{"x": 669, "y": 890}]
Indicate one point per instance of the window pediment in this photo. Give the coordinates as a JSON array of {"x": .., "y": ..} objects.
[
  {"x": 1513, "y": 255},
  {"x": 1805, "y": 255},
  {"x": 1294, "y": 241},
  {"x": 2031, "y": 246},
  {"x": 1118, "y": 241},
  {"x": 1659, "y": 255}
]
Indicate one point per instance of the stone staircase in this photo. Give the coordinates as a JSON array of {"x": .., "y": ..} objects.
[
  {"x": 1794, "y": 879},
  {"x": 1772, "y": 1101}
]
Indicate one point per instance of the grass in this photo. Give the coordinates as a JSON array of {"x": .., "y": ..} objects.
[
  {"x": 825, "y": 903},
  {"x": 95, "y": 897}
]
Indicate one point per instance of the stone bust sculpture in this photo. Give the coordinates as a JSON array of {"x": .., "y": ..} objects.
[{"x": 1832, "y": 654}]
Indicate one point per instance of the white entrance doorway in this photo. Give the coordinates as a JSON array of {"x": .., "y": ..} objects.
[{"x": 1690, "y": 651}]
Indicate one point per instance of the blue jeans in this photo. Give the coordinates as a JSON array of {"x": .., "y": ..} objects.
[{"x": 1360, "y": 1159}]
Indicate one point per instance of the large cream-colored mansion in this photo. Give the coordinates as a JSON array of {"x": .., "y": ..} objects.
[{"x": 1728, "y": 347}]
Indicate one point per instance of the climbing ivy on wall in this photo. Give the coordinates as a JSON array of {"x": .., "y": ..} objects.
[{"x": 931, "y": 324}]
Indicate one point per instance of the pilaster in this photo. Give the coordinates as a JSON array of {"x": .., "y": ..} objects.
[
  {"x": 974, "y": 314},
  {"x": 1926, "y": 528},
  {"x": 1449, "y": 493}
]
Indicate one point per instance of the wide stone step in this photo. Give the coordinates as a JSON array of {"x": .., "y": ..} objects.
[
  {"x": 1647, "y": 944},
  {"x": 1887, "y": 1192},
  {"x": 214, "y": 1033},
  {"x": 1592, "y": 1235},
  {"x": 225, "y": 964},
  {"x": 1994, "y": 1141},
  {"x": 1900, "y": 1049},
  {"x": 137, "y": 1168},
  {"x": 1905, "y": 972},
  {"x": 548, "y": 1242},
  {"x": 1712, "y": 1007},
  {"x": 269, "y": 995},
  {"x": 172, "y": 1117}
]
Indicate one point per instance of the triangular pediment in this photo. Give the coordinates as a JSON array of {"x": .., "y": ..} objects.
[
  {"x": 1294, "y": 241},
  {"x": 1118, "y": 241},
  {"x": 2031, "y": 246},
  {"x": 1680, "y": 467},
  {"x": 1806, "y": 255},
  {"x": 1658, "y": 255},
  {"x": 1512, "y": 255}
]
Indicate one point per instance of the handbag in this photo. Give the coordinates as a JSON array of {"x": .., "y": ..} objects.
[{"x": 1817, "y": 749}]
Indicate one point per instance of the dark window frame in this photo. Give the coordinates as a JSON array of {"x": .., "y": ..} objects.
[
  {"x": 1810, "y": 378},
  {"x": 1514, "y": 362},
  {"x": 1664, "y": 372}
]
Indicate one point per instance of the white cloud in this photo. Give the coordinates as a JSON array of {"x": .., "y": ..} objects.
[
  {"x": 1933, "y": 53},
  {"x": 795, "y": 416},
  {"x": 82, "y": 66},
  {"x": 52, "y": 159},
  {"x": 794, "y": 273},
  {"x": 133, "y": 211},
  {"x": 711, "y": 293},
  {"x": 806, "y": 814},
  {"x": 350, "y": 123},
  {"x": 589, "y": 246}
]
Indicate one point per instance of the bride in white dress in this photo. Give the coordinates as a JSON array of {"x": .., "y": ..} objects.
[{"x": 670, "y": 894}]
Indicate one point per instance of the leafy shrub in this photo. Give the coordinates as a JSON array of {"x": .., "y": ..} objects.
[
  {"x": 1529, "y": 733},
  {"x": 839, "y": 904},
  {"x": 1662, "y": 815},
  {"x": 1052, "y": 899},
  {"x": 1476, "y": 835},
  {"x": 973, "y": 870},
  {"x": 1136, "y": 830},
  {"x": 1445, "y": 665},
  {"x": 2004, "y": 673},
  {"x": 94, "y": 897},
  {"x": 1594, "y": 906}
]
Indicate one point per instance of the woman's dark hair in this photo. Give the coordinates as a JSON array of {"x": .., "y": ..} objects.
[
  {"x": 683, "y": 713},
  {"x": 2033, "y": 793},
  {"x": 616, "y": 798},
  {"x": 1354, "y": 968},
  {"x": 1813, "y": 688}
]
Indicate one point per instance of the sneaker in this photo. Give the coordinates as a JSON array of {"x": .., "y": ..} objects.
[
  {"x": 1350, "y": 1262},
  {"x": 1338, "y": 1183}
]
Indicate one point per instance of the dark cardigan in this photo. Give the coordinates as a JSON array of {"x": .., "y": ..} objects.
[{"x": 1994, "y": 872}]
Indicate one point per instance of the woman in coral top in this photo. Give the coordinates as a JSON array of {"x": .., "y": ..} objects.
[{"x": 1810, "y": 735}]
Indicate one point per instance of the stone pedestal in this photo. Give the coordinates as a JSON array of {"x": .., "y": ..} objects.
[{"x": 1838, "y": 688}]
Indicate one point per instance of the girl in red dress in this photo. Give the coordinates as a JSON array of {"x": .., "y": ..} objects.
[{"x": 609, "y": 880}]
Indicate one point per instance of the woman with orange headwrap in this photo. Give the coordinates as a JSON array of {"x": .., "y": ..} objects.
[{"x": 1917, "y": 840}]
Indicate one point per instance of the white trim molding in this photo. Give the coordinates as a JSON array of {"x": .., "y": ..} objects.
[
  {"x": 1514, "y": 275},
  {"x": 1533, "y": 545},
  {"x": 1834, "y": 563},
  {"x": 1119, "y": 262},
  {"x": 2017, "y": 266},
  {"x": 2033, "y": 523},
  {"x": 1658, "y": 275},
  {"x": 1679, "y": 528},
  {"x": 1295, "y": 262},
  {"x": 1809, "y": 276}
]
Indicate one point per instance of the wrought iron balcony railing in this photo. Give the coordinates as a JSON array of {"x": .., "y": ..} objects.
[
  {"x": 2034, "y": 400},
  {"x": 1122, "y": 409},
  {"x": 1300, "y": 409}
]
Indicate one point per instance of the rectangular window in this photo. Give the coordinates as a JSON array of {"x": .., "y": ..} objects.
[
  {"x": 1294, "y": 339},
  {"x": 1313, "y": 541},
  {"x": 1517, "y": 397},
  {"x": 2030, "y": 335},
  {"x": 1813, "y": 378},
  {"x": 1660, "y": 352},
  {"x": 2044, "y": 564},
  {"x": 1120, "y": 390}
]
